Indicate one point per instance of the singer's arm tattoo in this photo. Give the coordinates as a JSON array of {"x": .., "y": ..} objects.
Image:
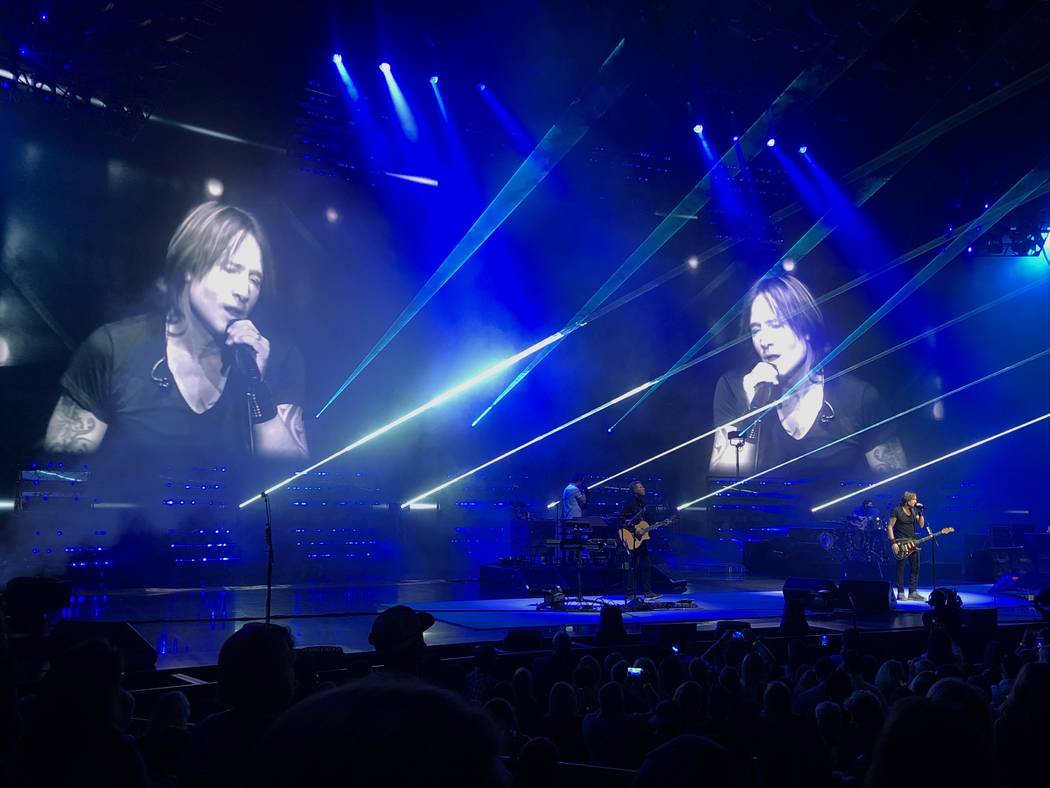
[
  {"x": 720, "y": 446},
  {"x": 292, "y": 417},
  {"x": 887, "y": 457},
  {"x": 283, "y": 436},
  {"x": 72, "y": 429}
]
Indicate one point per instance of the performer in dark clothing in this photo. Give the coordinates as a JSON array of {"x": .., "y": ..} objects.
[
  {"x": 199, "y": 379},
  {"x": 634, "y": 515},
  {"x": 786, "y": 328},
  {"x": 903, "y": 523}
]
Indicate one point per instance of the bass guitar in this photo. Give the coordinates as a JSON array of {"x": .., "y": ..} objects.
[
  {"x": 903, "y": 548},
  {"x": 632, "y": 536}
]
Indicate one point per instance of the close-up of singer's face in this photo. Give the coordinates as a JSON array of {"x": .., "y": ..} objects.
[
  {"x": 774, "y": 339},
  {"x": 229, "y": 290}
]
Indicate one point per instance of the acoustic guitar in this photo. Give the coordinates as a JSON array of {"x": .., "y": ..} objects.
[
  {"x": 632, "y": 536},
  {"x": 903, "y": 548}
]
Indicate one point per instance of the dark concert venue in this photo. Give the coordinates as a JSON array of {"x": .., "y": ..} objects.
[{"x": 543, "y": 393}]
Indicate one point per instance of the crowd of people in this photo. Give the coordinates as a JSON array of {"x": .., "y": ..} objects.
[{"x": 743, "y": 712}]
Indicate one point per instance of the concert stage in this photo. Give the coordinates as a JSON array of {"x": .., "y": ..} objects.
[{"x": 187, "y": 626}]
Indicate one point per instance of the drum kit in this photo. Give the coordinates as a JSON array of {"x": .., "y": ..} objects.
[{"x": 858, "y": 538}]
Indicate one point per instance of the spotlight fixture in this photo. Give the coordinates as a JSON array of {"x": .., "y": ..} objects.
[
  {"x": 789, "y": 265},
  {"x": 214, "y": 187},
  {"x": 803, "y": 149},
  {"x": 482, "y": 87},
  {"x": 736, "y": 138},
  {"x": 698, "y": 128},
  {"x": 693, "y": 262},
  {"x": 770, "y": 142},
  {"x": 434, "y": 80},
  {"x": 384, "y": 67},
  {"x": 337, "y": 58}
]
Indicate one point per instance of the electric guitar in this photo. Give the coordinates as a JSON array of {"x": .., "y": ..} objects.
[
  {"x": 903, "y": 548},
  {"x": 632, "y": 536}
]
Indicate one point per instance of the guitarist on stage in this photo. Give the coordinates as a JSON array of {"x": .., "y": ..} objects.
[
  {"x": 903, "y": 523},
  {"x": 634, "y": 517}
]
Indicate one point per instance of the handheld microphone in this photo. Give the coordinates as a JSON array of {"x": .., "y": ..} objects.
[
  {"x": 244, "y": 357},
  {"x": 764, "y": 394}
]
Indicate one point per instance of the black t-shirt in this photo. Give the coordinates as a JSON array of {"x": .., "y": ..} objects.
[
  {"x": 850, "y": 404},
  {"x": 631, "y": 509},
  {"x": 121, "y": 375},
  {"x": 904, "y": 528}
]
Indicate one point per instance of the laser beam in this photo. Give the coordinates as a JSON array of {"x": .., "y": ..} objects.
[
  {"x": 746, "y": 337},
  {"x": 613, "y": 79},
  {"x": 934, "y": 461},
  {"x": 440, "y": 399},
  {"x": 921, "y": 134},
  {"x": 834, "y": 61},
  {"x": 1029, "y": 183},
  {"x": 887, "y": 420}
]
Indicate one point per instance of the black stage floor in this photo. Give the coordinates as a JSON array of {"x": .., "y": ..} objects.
[{"x": 188, "y": 625}]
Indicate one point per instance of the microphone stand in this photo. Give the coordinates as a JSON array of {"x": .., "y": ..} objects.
[{"x": 269, "y": 556}]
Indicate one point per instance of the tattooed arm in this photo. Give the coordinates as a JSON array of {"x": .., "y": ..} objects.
[
  {"x": 73, "y": 430},
  {"x": 283, "y": 436},
  {"x": 886, "y": 457}
]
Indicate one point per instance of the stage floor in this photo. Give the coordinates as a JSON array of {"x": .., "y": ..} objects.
[{"x": 187, "y": 626}]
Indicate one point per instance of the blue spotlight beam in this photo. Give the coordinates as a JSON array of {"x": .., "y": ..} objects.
[
  {"x": 613, "y": 78},
  {"x": 439, "y": 99},
  {"x": 934, "y": 461},
  {"x": 401, "y": 108},
  {"x": 837, "y": 57},
  {"x": 344, "y": 75},
  {"x": 887, "y": 420},
  {"x": 1020, "y": 191},
  {"x": 430, "y": 404},
  {"x": 902, "y": 154},
  {"x": 641, "y": 388}
]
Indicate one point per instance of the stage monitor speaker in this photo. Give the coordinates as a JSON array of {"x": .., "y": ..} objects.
[
  {"x": 815, "y": 594},
  {"x": 138, "y": 654},
  {"x": 868, "y": 596}
]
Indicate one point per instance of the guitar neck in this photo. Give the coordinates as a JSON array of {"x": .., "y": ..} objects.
[{"x": 928, "y": 538}]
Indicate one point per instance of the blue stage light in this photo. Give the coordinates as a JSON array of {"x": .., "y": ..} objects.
[
  {"x": 384, "y": 67},
  {"x": 803, "y": 149},
  {"x": 434, "y": 80},
  {"x": 698, "y": 128},
  {"x": 736, "y": 138},
  {"x": 337, "y": 58},
  {"x": 482, "y": 87},
  {"x": 770, "y": 142}
]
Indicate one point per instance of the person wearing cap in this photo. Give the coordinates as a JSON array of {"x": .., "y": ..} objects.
[{"x": 397, "y": 637}]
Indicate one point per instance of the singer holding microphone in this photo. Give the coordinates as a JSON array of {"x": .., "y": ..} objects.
[
  {"x": 197, "y": 380},
  {"x": 905, "y": 520},
  {"x": 787, "y": 334}
]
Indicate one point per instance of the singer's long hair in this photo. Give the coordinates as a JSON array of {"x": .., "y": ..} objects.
[
  {"x": 206, "y": 236},
  {"x": 908, "y": 494},
  {"x": 794, "y": 305}
]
